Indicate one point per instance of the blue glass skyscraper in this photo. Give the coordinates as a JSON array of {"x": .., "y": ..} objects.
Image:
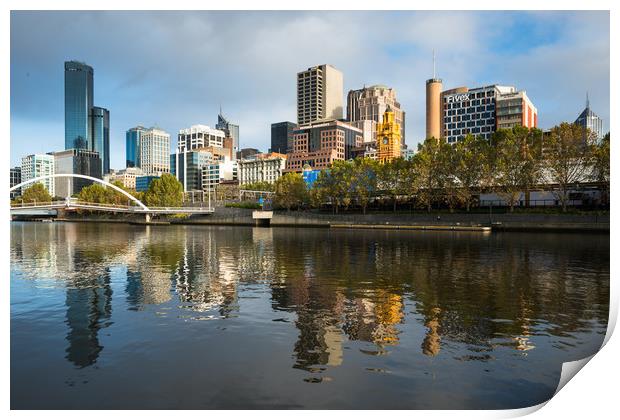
[
  {"x": 78, "y": 105},
  {"x": 101, "y": 136},
  {"x": 132, "y": 146}
]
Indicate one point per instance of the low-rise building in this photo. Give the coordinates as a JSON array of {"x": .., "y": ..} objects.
[
  {"x": 75, "y": 161},
  {"x": 264, "y": 167},
  {"x": 187, "y": 167},
  {"x": 218, "y": 171},
  {"x": 320, "y": 144},
  {"x": 144, "y": 182},
  {"x": 127, "y": 177}
]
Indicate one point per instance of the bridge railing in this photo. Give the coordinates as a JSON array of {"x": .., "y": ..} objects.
[{"x": 36, "y": 204}]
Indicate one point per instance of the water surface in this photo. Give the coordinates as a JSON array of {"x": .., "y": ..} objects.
[{"x": 120, "y": 316}]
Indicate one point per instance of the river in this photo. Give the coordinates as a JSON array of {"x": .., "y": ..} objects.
[{"x": 123, "y": 316}]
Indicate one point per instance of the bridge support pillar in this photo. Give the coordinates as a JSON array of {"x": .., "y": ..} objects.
[{"x": 147, "y": 218}]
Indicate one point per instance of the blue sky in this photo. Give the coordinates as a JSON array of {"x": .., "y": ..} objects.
[{"x": 174, "y": 69}]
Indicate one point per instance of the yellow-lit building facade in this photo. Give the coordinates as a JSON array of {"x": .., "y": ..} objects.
[{"x": 389, "y": 142}]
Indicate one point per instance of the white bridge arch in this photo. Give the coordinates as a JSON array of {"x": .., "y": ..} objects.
[{"x": 100, "y": 181}]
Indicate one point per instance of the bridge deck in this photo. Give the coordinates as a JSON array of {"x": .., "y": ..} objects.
[{"x": 74, "y": 205}]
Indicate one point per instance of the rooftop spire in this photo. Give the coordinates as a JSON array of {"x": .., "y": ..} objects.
[{"x": 587, "y": 100}]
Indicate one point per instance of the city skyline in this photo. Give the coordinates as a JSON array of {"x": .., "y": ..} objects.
[{"x": 255, "y": 83}]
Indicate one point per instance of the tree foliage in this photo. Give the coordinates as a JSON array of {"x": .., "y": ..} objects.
[
  {"x": 290, "y": 191},
  {"x": 166, "y": 191},
  {"x": 36, "y": 193}
]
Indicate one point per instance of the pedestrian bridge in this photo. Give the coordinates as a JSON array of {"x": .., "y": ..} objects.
[{"x": 70, "y": 203}]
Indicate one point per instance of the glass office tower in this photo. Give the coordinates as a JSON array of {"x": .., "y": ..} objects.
[
  {"x": 101, "y": 136},
  {"x": 78, "y": 105},
  {"x": 132, "y": 146},
  {"x": 231, "y": 130}
]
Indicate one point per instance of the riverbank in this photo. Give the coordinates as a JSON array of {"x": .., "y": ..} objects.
[{"x": 535, "y": 222}]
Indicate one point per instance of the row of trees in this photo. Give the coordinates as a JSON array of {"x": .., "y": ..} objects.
[{"x": 513, "y": 162}]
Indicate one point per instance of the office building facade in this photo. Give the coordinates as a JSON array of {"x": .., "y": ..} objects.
[
  {"x": 198, "y": 136},
  {"x": 143, "y": 182},
  {"x": 320, "y": 144},
  {"x": 15, "y": 178},
  {"x": 187, "y": 167},
  {"x": 266, "y": 167},
  {"x": 588, "y": 119},
  {"x": 132, "y": 146},
  {"x": 474, "y": 111},
  {"x": 370, "y": 103},
  {"x": 282, "y": 137},
  {"x": 155, "y": 151},
  {"x": 101, "y": 136},
  {"x": 218, "y": 171},
  {"x": 78, "y": 105},
  {"x": 230, "y": 130},
  {"x": 319, "y": 94},
  {"x": 75, "y": 161},
  {"x": 127, "y": 177},
  {"x": 34, "y": 166}
]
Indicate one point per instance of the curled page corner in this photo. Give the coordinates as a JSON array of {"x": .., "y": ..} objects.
[{"x": 570, "y": 369}]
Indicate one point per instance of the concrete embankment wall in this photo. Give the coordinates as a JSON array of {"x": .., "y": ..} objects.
[{"x": 515, "y": 221}]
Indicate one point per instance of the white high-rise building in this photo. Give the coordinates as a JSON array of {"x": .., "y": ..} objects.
[
  {"x": 34, "y": 166},
  {"x": 155, "y": 152},
  {"x": 198, "y": 136},
  {"x": 319, "y": 94}
]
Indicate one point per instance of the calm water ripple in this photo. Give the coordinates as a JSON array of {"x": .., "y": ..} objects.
[{"x": 118, "y": 316}]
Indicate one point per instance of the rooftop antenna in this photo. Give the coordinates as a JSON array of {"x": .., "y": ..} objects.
[
  {"x": 587, "y": 100},
  {"x": 434, "y": 64}
]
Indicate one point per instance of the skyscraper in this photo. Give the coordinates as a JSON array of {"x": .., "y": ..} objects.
[
  {"x": 132, "y": 146},
  {"x": 319, "y": 94},
  {"x": 101, "y": 136},
  {"x": 155, "y": 151},
  {"x": 591, "y": 121},
  {"x": 370, "y": 103},
  {"x": 282, "y": 137},
  {"x": 78, "y": 105},
  {"x": 230, "y": 130}
]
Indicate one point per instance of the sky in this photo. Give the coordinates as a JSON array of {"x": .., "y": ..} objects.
[{"x": 175, "y": 69}]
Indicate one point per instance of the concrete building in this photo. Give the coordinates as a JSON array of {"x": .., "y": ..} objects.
[
  {"x": 319, "y": 94},
  {"x": 127, "y": 177},
  {"x": 246, "y": 152},
  {"x": 187, "y": 167},
  {"x": 389, "y": 143},
  {"x": 282, "y": 137},
  {"x": 369, "y": 131},
  {"x": 366, "y": 150},
  {"x": 34, "y": 166},
  {"x": 433, "y": 108},
  {"x": 132, "y": 146},
  {"x": 75, "y": 161},
  {"x": 216, "y": 172},
  {"x": 155, "y": 151},
  {"x": 591, "y": 121},
  {"x": 319, "y": 144},
  {"x": 15, "y": 178},
  {"x": 474, "y": 111},
  {"x": 230, "y": 130},
  {"x": 515, "y": 109},
  {"x": 266, "y": 167},
  {"x": 370, "y": 103},
  {"x": 198, "y": 136}
]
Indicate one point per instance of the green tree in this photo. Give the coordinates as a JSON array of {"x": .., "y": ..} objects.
[
  {"x": 394, "y": 179},
  {"x": 431, "y": 174},
  {"x": 569, "y": 154},
  {"x": 363, "y": 184},
  {"x": 258, "y": 186},
  {"x": 166, "y": 191},
  {"x": 290, "y": 190},
  {"x": 470, "y": 166},
  {"x": 602, "y": 167},
  {"x": 36, "y": 193},
  {"x": 517, "y": 162}
]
